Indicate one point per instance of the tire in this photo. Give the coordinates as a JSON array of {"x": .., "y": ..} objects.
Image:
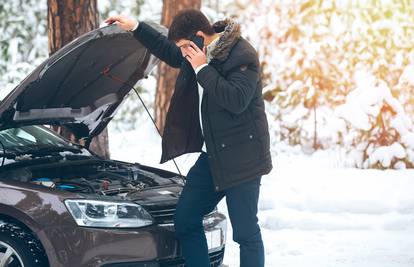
[{"x": 23, "y": 249}]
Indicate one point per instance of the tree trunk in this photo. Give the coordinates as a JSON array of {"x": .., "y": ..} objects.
[
  {"x": 166, "y": 74},
  {"x": 67, "y": 19}
]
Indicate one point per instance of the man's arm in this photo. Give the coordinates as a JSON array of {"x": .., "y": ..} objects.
[
  {"x": 158, "y": 45},
  {"x": 153, "y": 40},
  {"x": 234, "y": 92}
]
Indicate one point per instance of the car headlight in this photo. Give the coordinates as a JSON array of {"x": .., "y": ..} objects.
[{"x": 96, "y": 213}]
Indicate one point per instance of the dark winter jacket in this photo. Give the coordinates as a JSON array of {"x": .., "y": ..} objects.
[{"x": 234, "y": 120}]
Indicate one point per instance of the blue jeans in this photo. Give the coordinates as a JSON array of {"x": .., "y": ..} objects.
[{"x": 199, "y": 198}]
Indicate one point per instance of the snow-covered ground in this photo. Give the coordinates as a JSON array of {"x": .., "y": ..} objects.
[{"x": 313, "y": 211}]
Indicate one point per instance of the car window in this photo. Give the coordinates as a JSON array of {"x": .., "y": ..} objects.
[
  {"x": 25, "y": 135},
  {"x": 29, "y": 136}
]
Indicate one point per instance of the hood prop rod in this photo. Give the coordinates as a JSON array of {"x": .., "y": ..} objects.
[{"x": 106, "y": 73}]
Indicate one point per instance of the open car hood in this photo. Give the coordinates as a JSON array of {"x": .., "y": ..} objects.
[{"x": 70, "y": 88}]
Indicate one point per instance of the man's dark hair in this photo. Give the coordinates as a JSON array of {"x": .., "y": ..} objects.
[{"x": 187, "y": 23}]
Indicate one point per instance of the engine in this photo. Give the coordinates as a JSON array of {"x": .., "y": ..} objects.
[{"x": 105, "y": 178}]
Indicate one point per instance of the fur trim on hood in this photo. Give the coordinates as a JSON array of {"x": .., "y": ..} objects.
[{"x": 230, "y": 35}]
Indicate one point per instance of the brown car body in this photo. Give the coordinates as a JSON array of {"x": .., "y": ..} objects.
[{"x": 43, "y": 211}]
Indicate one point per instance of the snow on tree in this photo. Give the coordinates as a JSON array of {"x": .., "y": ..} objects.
[
  {"x": 23, "y": 43},
  {"x": 311, "y": 52},
  {"x": 115, "y": 7},
  {"x": 381, "y": 134}
]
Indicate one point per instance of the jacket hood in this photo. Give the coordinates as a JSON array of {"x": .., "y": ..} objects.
[
  {"x": 231, "y": 33},
  {"x": 75, "y": 87}
]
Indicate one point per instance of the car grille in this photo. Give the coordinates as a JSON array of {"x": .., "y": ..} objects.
[
  {"x": 164, "y": 214},
  {"x": 216, "y": 259}
]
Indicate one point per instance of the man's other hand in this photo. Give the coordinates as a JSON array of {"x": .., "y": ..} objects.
[
  {"x": 123, "y": 22},
  {"x": 194, "y": 55}
]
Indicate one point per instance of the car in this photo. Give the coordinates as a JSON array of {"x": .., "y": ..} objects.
[{"x": 60, "y": 203}]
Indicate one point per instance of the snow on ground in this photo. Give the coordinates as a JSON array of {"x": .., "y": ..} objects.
[{"x": 313, "y": 211}]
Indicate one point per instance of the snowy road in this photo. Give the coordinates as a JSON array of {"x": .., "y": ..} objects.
[{"x": 314, "y": 212}]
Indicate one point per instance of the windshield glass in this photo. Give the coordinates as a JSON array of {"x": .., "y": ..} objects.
[{"x": 28, "y": 137}]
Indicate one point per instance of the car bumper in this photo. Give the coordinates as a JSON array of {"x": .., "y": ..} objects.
[
  {"x": 216, "y": 259},
  {"x": 149, "y": 246}
]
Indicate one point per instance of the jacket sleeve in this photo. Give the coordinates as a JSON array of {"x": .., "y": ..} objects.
[
  {"x": 158, "y": 45},
  {"x": 234, "y": 92}
]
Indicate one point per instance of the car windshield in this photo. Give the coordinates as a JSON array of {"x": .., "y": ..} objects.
[{"x": 34, "y": 137}]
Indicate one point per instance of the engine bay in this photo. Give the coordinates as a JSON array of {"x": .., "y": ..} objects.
[{"x": 108, "y": 178}]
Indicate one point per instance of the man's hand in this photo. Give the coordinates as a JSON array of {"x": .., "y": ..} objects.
[
  {"x": 122, "y": 21},
  {"x": 194, "y": 55}
]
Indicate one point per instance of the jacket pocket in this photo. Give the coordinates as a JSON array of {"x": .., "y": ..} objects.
[
  {"x": 239, "y": 152},
  {"x": 230, "y": 140}
]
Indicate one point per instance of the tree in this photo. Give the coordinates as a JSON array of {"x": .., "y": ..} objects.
[
  {"x": 166, "y": 74},
  {"x": 338, "y": 73},
  {"x": 22, "y": 42},
  {"x": 67, "y": 19},
  {"x": 381, "y": 132}
]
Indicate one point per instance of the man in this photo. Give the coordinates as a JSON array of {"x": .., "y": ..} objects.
[{"x": 216, "y": 109}]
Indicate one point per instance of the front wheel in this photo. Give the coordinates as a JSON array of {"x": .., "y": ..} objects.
[{"x": 19, "y": 247}]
